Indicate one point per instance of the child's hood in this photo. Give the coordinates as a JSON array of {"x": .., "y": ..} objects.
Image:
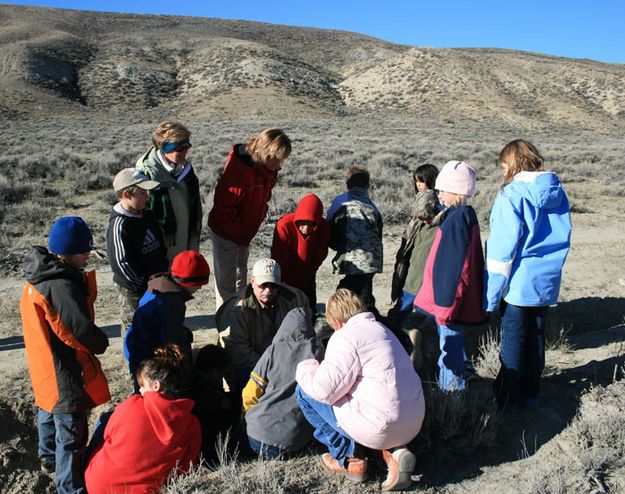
[
  {"x": 309, "y": 208},
  {"x": 296, "y": 326},
  {"x": 167, "y": 416},
  {"x": 40, "y": 265},
  {"x": 542, "y": 189},
  {"x": 426, "y": 205},
  {"x": 162, "y": 283},
  {"x": 118, "y": 210}
]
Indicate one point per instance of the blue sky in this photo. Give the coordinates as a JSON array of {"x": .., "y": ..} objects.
[{"x": 573, "y": 28}]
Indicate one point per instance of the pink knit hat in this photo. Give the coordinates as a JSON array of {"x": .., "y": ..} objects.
[{"x": 457, "y": 177}]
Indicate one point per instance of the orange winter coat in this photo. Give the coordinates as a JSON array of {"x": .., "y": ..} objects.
[{"x": 60, "y": 335}]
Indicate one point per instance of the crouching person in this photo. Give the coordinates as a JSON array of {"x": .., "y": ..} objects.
[
  {"x": 151, "y": 433},
  {"x": 218, "y": 410},
  {"x": 364, "y": 394},
  {"x": 275, "y": 423}
]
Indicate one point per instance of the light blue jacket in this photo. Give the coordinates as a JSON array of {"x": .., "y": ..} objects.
[{"x": 530, "y": 237}]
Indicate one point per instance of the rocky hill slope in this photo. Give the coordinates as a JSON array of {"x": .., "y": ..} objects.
[{"x": 74, "y": 61}]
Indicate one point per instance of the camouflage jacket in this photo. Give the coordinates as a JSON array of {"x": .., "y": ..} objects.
[{"x": 356, "y": 233}]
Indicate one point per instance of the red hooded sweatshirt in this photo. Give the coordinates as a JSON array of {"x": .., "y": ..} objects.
[
  {"x": 144, "y": 440},
  {"x": 299, "y": 257}
]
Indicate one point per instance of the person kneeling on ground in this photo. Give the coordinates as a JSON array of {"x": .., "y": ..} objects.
[
  {"x": 254, "y": 319},
  {"x": 159, "y": 319},
  {"x": 150, "y": 434},
  {"x": 218, "y": 411},
  {"x": 364, "y": 393},
  {"x": 275, "y": 423}
]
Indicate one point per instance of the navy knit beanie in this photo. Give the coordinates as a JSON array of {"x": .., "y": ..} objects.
[{"x": 70, "y": 235}]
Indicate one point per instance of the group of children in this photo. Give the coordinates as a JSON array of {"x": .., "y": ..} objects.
[{"x": 179, "y": 410}]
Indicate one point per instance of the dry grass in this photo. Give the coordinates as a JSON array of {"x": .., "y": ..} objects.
[
  {"x": 344, "y": 99},
  {"x": 487, "y": 363},
  {"x": 468, "y": 421},
  {"x": 591, "y": 449},
  {"x": 49, "y": 174}
]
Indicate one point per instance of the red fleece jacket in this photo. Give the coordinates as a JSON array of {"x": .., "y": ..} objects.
[
  {"x": 241, "y": 197},
  {"x": 144, "y": 440},
  {"x": 299, "y": 257}
]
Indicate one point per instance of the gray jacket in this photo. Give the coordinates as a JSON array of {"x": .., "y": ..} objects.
[{"x": 276, "y": 419}]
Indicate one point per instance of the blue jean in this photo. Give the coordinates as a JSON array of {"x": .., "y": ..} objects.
[
  {"x": 327, "y": 430},
  {"x": 97, "y": 438},
  {"x": 63, "y": 436},
  {"x": 522, "y": 354},
  {"x": 266, "y": 451},
  {"x": 451, "y": 361}
]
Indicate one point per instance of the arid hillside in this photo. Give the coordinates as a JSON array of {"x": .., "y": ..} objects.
[
  {"x": 83, "y": 61},
  {"x": 81, "y": 92}
]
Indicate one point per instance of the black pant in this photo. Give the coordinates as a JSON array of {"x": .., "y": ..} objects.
[
  {"x": 310, "y": 291},
  {"x": 361, "y": 285}
]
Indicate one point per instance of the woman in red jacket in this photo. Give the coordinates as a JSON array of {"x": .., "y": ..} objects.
[
  {"x": 240, "y": 206},
  {"x": 151, "y": 433},
  {"x": 300, "y": 244}
]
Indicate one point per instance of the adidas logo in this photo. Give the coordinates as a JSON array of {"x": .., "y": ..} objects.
[{"x": 150, "y": 243}]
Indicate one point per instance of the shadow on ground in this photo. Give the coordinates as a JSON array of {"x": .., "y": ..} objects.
[
  {"x": 194, "y": 323},
  {"x": 588, "y": 312},
  {"x": 524, "y": 433}
]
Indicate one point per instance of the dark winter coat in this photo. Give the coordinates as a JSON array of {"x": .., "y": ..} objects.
[{"x": 60, "y": 335}]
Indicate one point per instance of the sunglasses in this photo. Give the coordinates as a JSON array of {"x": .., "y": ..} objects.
[{"x": 169, "y": 146}]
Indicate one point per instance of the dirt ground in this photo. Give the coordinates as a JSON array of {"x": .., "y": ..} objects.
[{"x": 591, "y": 310}]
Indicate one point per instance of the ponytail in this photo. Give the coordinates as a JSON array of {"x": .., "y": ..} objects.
[{"x": 172, "y": 368}]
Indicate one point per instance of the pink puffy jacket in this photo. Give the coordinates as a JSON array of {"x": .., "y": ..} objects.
[{"x": 367, "y": 376}]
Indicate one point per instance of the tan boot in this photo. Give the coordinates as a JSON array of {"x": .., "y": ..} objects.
[
  {"x": 356, "y": 467},
  {"x": 401, "y": 463}
]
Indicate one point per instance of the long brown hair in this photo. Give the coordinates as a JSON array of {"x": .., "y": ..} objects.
[
  {"x": 172, "y": 368},
  {"x": 519, "y": 156}
]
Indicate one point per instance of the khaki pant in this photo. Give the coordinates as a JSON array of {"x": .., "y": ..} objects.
[
  {"x": 229, "y": 269},
  {"x": 128, "y": 302}
]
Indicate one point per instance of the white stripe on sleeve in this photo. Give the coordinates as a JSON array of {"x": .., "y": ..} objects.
[{"x": 499, "y": 267}]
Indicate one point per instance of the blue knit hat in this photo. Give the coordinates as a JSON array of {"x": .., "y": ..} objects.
[{"x": 70, "y": 235}]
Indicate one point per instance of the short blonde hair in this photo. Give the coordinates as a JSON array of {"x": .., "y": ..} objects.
[
  {"x": 519, "y": 156},
  {"x": 342, "y": 306},
  {"x": 460, "y": 200},
  {"x": 269, "y": 144},
  {"x": 169, "y": 131}
]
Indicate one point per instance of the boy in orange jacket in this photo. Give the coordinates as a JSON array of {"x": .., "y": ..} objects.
[{"x": 61, "y": 341}]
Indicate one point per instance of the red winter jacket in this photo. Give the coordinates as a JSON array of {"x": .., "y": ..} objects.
[
  {"x": 144, "y": 440},
  {"x": 299, "y": 258},
  {"x": 241, "y": 197}
]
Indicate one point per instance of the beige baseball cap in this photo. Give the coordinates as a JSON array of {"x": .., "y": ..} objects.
[
  {"x": 267, "y": 271},
  {"x": 131, "y": 176}
]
